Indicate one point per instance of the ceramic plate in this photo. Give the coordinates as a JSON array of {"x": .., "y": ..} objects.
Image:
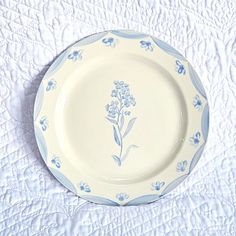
[{"x": 121, "y": 118}]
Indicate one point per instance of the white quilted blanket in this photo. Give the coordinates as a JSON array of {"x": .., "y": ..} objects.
[{"x": 32, "y": 34}]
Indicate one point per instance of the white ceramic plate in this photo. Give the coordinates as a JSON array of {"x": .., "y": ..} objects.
[{"x": 121, "y": 118}]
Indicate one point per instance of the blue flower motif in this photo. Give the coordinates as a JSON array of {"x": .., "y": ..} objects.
[
  {"x": 181, "y": 166},
  {"x": 180, "y": 68},
  {"x": 195, "y": 139},
  {"x": 124, "y": 99},
  {"x": 116, "y": 112},
  {"x": 146, "y": 45},
  {"x": 112, "y": 109},
  {"x": 75, "y": 55},
  {"x": 56, "y": 161},
  {"x": 84, "y": 187},
  {"x": 122, "y": 93},
  {"x": 122, "y": 196},
  {"x": 157, "y": 186},
  {"x": 127, "y": 113},
  {"x": 44, "y": 123},
  {"x": 51, "y": 85},
  {"x": 114, "y": 93},
  {"x": 110, "y": 42},
  {"x": 197, "y": 103}
]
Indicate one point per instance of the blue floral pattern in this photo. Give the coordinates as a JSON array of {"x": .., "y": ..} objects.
[
  {"x": 51, "y": 85},
  {"x": 181, "y": 166},
  {"x": 117, "y": 111},
  {"x": 44, "y": 123},
  {"x": 195, "y": 139},
  {"x": 146, "y": 45},
  {"x": 157, "y": 185},
  {"x": 56, "y": 161},
  {"x": 75, "y": 55},
  {"x": 122, "y": 196},
  {"x": 110, "y": 42},
  {"x": 84, "y": 187},
  {"x": 197, "y": 103},
  {"x": 121, "y": 121},
  {"x": 180, "y": 67}
]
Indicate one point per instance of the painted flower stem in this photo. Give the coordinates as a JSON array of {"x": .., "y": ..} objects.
[
  {"x": 118, "y": 126},
  {"x": 121, "y": 143},
  {"x": 117, "y": 111}
]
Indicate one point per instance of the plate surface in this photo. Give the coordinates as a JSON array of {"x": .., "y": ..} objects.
[{"x": 121, "y": 118}]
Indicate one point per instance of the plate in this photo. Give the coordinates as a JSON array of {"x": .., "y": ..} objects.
[{"x": 121, "y": 118}]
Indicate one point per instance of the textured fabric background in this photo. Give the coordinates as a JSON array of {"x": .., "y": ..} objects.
[{"x": 32, "y": 34}]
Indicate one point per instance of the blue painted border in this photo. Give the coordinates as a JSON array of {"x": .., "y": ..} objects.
[
  {"x": 174, "y": 184},
  {"x": 145, "y": 199},
  {"x": 205, "y": 122},
  {"x": 196, "y": 81},
  {"x": 56, "y": 65},
  {"x": 38, "y": 100},
  {"x": 41, "y": 143},
  {"x": 64, "y": 180},
  {"x": 168, "y": 49},
  {"x": 100, "y": 200},
  {"x": 196, "y": 158},
  {"x": 128, "y": 34},
  {"x": 59, "y": 61},
  {"x": 91, "y": 39}
]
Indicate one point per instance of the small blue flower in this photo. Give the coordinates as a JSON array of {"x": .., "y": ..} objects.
[
  {"x": 75, "y": 55},
  {"x": 146, "y": 45},
  {"x": 127, "y": 113},
  {"x": 112, "y": 109},
  {"x": 180, "y": 68},
  {"x": 56, "y": 161},
  {"x": 122, "y": 196},
  {"x": 132, "y": 101},
  {"x": 110, "y": 42},
  {"x": 126, "y": 102},
  {"x": 181, "y": 166},
  {"x": 197, "y": 103},
  {"x": 84, "y": 187},
  {"x": 195, "y": 139},
  {"x": 114, "y": 93},
  {"x": 157, "y": 186},
  {"x": 44, "y": 123},
  {"x": 51, "y": 85}
]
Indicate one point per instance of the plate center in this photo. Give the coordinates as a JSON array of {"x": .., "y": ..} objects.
[{"x": 120, "y": 120}]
